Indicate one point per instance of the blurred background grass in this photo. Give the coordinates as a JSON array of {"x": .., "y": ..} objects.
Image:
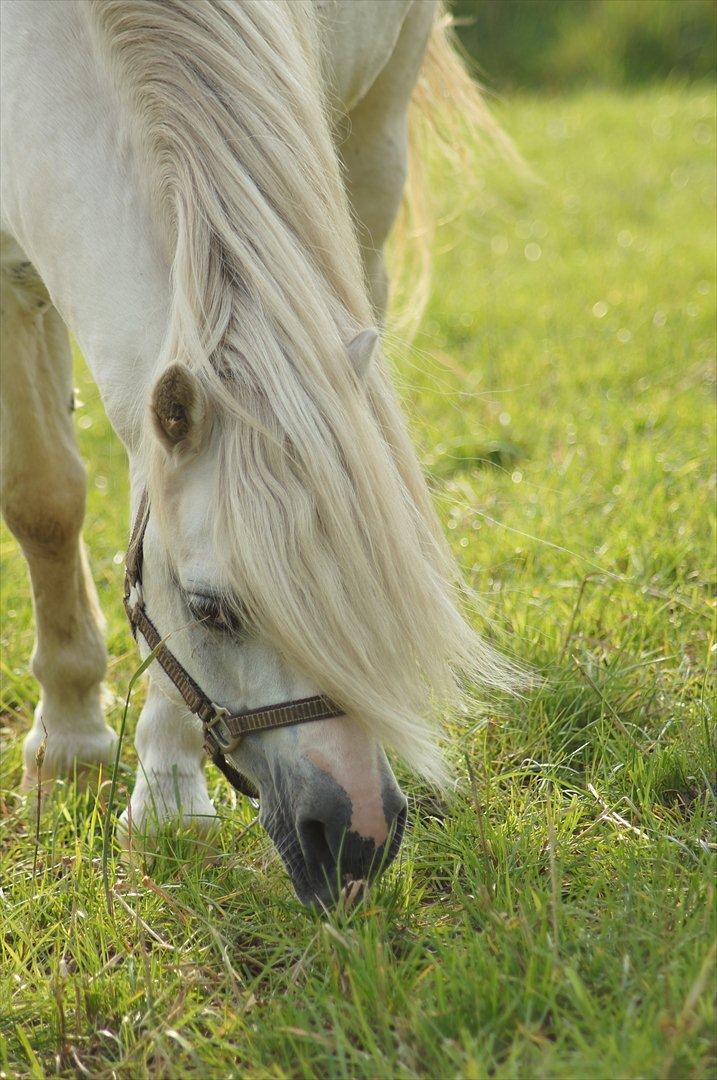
[{"x": 559, "y": 45}]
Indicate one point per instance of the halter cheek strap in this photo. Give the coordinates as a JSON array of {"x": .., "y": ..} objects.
[{"x": 223, "y": 730}]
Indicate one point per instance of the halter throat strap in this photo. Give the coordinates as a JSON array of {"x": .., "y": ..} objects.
[{"x": 223, "y": 730}]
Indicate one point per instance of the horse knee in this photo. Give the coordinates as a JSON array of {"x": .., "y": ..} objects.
[{"x": 45, "y": 512}]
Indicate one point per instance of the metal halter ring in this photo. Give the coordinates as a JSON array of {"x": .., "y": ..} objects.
[{"x": 212, "y": 736}]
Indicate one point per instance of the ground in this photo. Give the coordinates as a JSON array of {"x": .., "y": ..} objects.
[{"x": 552, "y": 916}]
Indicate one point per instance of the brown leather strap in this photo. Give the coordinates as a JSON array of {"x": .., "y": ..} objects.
[
  {"x": 237, "y": 780},
  {"x": 301, "y": 711},
  {"x": 197, "y": 701},
  {"x": 268, "y": 718},
  {"x": 223, "y": 730},
  {"x": 135, "y": 549}
]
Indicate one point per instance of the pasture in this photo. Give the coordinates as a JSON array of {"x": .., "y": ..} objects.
[{"x": 553, "y": 915}]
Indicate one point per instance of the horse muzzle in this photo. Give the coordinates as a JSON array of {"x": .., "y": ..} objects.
[{"x": 327, "y": 857}]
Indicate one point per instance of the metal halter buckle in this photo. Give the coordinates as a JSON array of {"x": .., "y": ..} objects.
[{"x": 213, "y": 740}]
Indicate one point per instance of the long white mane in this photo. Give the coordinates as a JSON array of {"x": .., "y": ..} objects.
[{"x": 324, "y": 525}]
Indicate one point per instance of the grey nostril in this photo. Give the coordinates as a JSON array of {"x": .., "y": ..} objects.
[{"x": 315, "y": 847}]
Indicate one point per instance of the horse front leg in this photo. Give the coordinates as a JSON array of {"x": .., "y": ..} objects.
[
  {"x": 42, "y": 493},
  {"x": 374, "y": 148},
  {"x": 170, "y": 786}
]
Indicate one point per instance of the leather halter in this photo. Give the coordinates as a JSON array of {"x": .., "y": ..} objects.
[{"x": 223, "y": 730}]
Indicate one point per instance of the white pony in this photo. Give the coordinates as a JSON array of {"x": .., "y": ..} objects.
[{"x": 178, "y": 184}]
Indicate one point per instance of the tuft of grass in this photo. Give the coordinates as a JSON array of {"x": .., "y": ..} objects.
[{"x": 554, "y": 915}]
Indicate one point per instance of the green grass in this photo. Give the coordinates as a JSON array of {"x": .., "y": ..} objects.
[{"x": 552, "y": 917}]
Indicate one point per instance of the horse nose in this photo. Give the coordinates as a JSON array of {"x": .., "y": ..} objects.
[{"x": 337, "y": 854}]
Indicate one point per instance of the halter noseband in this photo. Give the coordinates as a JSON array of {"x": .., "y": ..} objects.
[{"x": 222, "y": 729}]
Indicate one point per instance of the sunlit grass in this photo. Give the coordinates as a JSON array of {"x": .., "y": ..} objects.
[{"x": 554, "y": 915}]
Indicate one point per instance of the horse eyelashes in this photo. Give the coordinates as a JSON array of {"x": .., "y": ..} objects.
[{"x": 211, "y": 611}]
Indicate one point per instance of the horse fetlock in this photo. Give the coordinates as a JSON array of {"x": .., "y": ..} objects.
[{"x": 71, "y": 673}]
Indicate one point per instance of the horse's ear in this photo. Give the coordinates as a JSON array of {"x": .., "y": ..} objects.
[
  {"x": 180, "y": 410},
  {"x": 362, "y": 350}
]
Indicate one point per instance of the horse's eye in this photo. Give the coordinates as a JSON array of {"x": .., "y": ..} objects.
[{"x": 210, "y": 610}]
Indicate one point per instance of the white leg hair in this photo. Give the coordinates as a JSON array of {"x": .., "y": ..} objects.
[
  {"x": 170, "y": 778},
  {"x": 43, "y": 501},
  {"x": 374, "y": 149}
]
